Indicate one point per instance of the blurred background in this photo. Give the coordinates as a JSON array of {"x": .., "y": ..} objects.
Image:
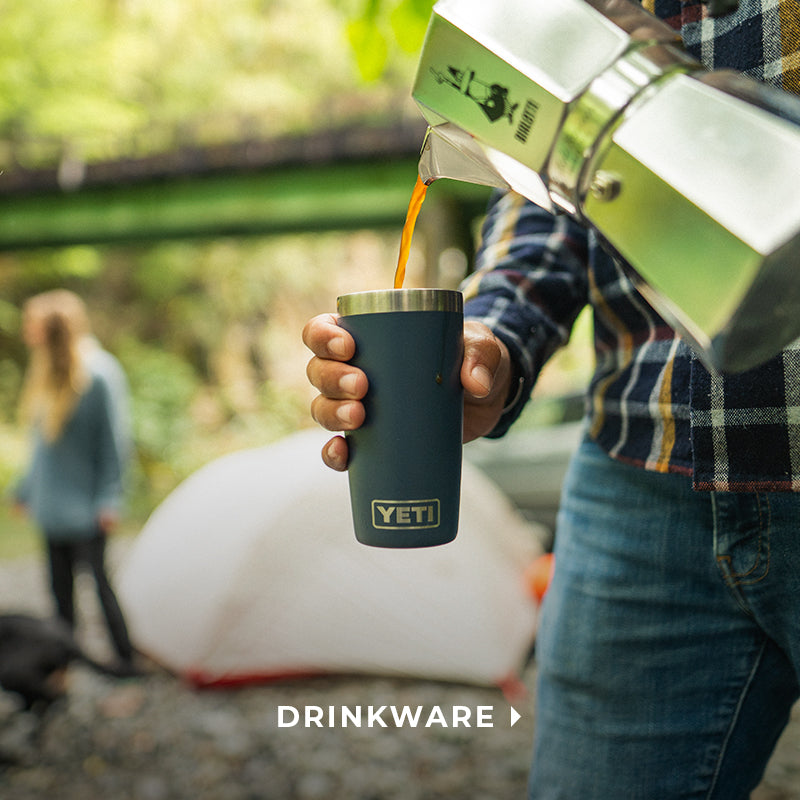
[{"x": 208, "y": 176}]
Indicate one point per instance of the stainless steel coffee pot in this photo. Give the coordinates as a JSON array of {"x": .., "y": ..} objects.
[{"x": 593, "y": 108}]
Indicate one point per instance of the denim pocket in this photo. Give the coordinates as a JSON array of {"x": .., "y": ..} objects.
[{"x": 742, "y": 524}]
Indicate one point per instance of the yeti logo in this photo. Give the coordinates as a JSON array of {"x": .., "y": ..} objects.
[{"x": 405, "y": 514}]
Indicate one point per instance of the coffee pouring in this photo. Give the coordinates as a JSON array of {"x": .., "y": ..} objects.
[{"x": 592, "y": 108}]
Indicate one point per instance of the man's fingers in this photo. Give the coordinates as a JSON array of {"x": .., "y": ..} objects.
[
  {"x": 485, "y": 375},
  {"x": 483, "y": 355},
  {"x": 323, "y": 337},
  {"x": 337, "y": 415},
  {"x": 341, "y": 386},
  {"x": 335, "y": 454},
  {"x": 336, "y": 380}
]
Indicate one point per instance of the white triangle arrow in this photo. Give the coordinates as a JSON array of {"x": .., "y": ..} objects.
[{"x": 514, "y": 716}]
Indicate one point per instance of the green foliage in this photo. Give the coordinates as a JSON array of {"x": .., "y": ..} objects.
[
  {"x": 409, "y": 20},
  {"x": 18, "y": 536},
  {"x": 381, "y": 27},
  {"x": 89, "y": 79},
  {"x": 10, "y": 318},
  {"x": 163, "y": 386},
  {"x": 55, "y": 81},
  {"x": 10, "y": 383},
  {"x": 370, "y": 47}
]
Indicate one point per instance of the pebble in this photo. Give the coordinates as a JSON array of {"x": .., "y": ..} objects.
[{"x": 156, "y": 738}]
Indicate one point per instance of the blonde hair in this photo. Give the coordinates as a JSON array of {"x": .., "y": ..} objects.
[{"x": 56, "y": 377}]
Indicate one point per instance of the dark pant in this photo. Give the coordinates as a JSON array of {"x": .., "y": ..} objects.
[{"x": 65, "y": 558}]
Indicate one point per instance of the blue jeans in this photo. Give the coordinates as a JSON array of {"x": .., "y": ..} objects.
[{"x": 669, "y": 649}]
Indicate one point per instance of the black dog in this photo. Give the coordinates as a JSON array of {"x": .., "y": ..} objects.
[{"x": 34, "y": 655}]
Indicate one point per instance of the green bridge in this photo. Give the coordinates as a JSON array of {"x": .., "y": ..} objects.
[{"x": 334, "y": 180}]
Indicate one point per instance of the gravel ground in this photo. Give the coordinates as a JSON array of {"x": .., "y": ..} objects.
[{"x": 154, "y": 738}]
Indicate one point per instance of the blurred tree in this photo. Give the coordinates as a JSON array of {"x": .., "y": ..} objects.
[
  {"x": 95, "y": 79},
  {"x": 379, "y": 29}
]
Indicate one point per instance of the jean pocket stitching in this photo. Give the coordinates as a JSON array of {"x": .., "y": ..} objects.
[{"x": 763, "y": 553}]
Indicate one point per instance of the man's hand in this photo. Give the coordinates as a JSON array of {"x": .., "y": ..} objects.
[
  {"x": 338, "y": 406},
  {"x": 485, "y": 376}
]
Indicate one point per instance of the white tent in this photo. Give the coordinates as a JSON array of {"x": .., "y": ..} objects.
[{"x": 250, "y": 570}]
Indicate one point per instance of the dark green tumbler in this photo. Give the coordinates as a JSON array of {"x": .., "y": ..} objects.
[{"x": 405, "y": 460}]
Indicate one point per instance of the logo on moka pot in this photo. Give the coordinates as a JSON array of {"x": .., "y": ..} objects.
[
  {"x": 405, "y": 514},
  {"x": 493, "y": 98}
]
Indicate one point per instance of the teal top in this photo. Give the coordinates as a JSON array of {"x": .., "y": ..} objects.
[{"x": 69, "y": 481}]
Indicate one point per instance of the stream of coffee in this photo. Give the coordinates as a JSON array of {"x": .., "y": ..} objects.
[{"x": 417, "y": 197}]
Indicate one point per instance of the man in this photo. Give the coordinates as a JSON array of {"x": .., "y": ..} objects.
[{"x": 669, "y": 649}]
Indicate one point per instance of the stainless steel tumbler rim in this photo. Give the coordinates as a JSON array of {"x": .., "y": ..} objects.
[{"x": 386, "y": 300}]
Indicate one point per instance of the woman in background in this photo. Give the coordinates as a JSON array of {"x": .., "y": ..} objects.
[{"x": 75, "y": 399}]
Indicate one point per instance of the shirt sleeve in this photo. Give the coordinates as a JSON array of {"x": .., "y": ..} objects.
[
  {"x": 530, "y": 284},
  {"x": 108, "y": 459}
]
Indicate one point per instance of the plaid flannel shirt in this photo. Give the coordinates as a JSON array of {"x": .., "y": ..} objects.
[{"x": 651, "y": 402}]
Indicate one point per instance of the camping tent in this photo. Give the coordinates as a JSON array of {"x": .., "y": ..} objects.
[{"x": 250, "y": 570}]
